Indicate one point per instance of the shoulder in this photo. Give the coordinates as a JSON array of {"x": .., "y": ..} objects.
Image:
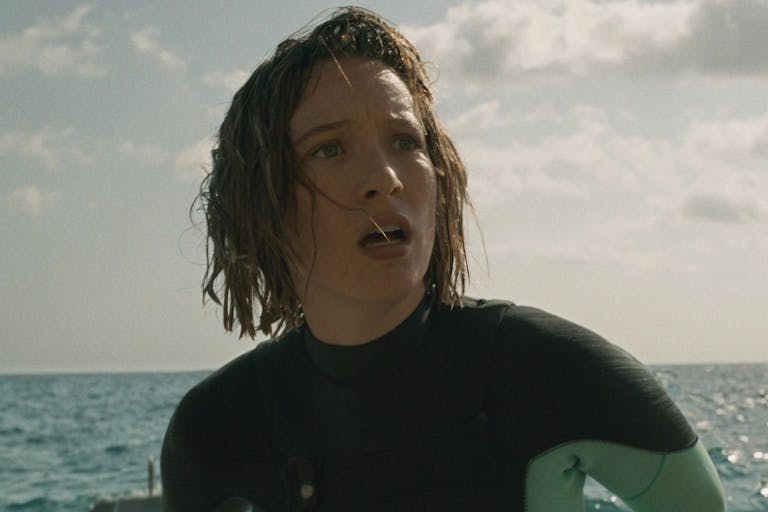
[
  {"x": 571, "y": 381},
  {"x": 227, "y": 409},
  {"x": 464, "y": 334},
  {"x": 543, "y": 349},
  {"x": 521, "y": 333},
  {"x": 530, "y": 346},
  {"x": 219, "y": 442},
  {"x": 535, "y": 335},
  {"x": 472, "y": 321},
  {"x": 231, "y": 394}
]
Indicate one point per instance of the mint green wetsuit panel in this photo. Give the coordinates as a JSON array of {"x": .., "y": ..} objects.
[{"x": 647, "y": 481}]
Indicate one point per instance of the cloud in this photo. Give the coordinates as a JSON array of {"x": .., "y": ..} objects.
[
  {"x": 149, "y": 153},
  {"x": 716, "y": 208},
  {"x": 145, "y": 43},
  {"x": 583, "y": 187},
  {"x": 31, "y": 201},
  {"x": 193, "y": 161},
  {"x": 726, "y": 38},
  {"x": 57, "y": 46},
  {"x": 575, "y": 163},
  {"x": 479, "y": 117},
  {"x": 228, "y": 80},
  {"x": 497, "y": 41},
  {"x": 50, "y": 150},
  {"x": 585, "y": 151},
  {"x": 728, "y": 158},
  {"x": 730, "y": 141}
]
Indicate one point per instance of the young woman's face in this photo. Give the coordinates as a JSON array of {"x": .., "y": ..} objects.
[{"x": 359, "y": 139}]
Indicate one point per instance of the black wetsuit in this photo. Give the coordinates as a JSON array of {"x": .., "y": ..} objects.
[{"x": 486, "y": 407}]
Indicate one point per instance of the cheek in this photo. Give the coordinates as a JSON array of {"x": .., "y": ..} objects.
[
  {"x": 429, "y": 188},
  {"x": 298, "y": 223},
  {"x": 427, "y": 201},
  {"x": 311, "y": 226}
]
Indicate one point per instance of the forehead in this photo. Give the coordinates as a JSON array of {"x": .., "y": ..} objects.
[{"x": 351, "y": 87}]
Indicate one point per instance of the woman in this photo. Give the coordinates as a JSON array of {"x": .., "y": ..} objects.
[{"x": 335, "y": 201}]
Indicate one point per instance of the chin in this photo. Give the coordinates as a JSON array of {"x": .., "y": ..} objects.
[{"x": 394, "y": 289}]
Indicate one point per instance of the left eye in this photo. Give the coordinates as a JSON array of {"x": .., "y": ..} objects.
[
  {"x": 329, "y": 150},
  {"x": 406, "y": 143}
]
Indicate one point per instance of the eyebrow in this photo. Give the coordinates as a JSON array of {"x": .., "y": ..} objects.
[
  {"x": 325, "y": 127},
  {"x": 406, "y": 120}
]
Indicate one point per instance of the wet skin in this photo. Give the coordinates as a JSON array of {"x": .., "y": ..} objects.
[{"x": 359, "y": 138}]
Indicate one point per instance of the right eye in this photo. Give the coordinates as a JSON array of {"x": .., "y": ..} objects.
[{"x": 328, "y": 150}]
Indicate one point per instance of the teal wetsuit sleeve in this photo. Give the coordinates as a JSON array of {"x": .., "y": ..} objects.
[
  {"x": 686, "y": 481},
  {"x": 571, "y": 404},
  {"x": 647, "y": 481}
]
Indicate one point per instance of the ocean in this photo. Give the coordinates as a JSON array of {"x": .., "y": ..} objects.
[{"x": 68, "y": 440}]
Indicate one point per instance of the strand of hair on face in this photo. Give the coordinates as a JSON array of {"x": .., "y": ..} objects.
[{"x": 351, "y": 209}]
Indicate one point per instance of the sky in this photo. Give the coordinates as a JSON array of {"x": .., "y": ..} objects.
[{"x": 617, "y": 154}]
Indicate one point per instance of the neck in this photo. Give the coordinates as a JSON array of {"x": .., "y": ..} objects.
[{"x": 348, "y": 321}]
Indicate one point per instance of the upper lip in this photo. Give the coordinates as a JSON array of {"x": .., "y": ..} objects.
[{"x": 387, "y": 222}]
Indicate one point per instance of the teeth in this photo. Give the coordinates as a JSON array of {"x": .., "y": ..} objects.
[
  {"x": 384, "y": 229},
  {"x": 387, "y": 235},
  {"x": 380, "y": 243}
]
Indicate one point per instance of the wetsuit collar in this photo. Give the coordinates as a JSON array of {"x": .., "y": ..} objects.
[{"x": 378, "y": 357}]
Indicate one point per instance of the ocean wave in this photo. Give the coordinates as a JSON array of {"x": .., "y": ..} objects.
[
  {"x": 39, "y": 504},
  {"x": 116, "y": 449}
]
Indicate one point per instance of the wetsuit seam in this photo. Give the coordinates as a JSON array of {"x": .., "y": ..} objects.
[
  {"x": 490, "y": 353},
  {"x": 607, "y": 441},
  {"x": 651, "y": 483},
  {"x": 638, "y": 495}
]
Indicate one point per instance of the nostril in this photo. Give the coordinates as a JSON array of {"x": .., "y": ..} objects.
[{"x": 370, "y": 194}]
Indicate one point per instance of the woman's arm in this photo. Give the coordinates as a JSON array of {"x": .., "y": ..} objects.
[
  {"x": 647, "y": 481},
  {"x": 570, "y": 404}
]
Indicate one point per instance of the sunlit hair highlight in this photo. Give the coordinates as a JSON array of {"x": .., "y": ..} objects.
[{"x": 254, "y": 171}]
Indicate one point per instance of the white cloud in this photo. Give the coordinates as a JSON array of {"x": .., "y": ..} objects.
[
  {"x": 726, "y": 38},
  {"x": 479, "y": 117},
  {"x": 500, "y": 41},
  {"x": 50, "y": 150},
  {"x": 228, "y": 80},
  {"x": 729, "y": 159},
  {"x": 730, "y": 140},
  {"x": 31, "y": 201},
  {"x": 587, "y": 191},
  {"x": 586, "y": 153},
  {"x": 57, "y": 46},
  {"x": 193, "y": 161},
  {"x": 576, "y": 164},
  {"x": 149, "y": 153},
  {"x": 716, "y": 208},
  {"x": 145, "y": 42}
]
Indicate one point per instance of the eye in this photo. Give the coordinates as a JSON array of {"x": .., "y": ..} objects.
[
  {"x": 407, "y": 143},
  {"x": 328, "y": 150}
]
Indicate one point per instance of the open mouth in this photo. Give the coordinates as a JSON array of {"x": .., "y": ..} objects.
[{"x": 386, "y": 236}]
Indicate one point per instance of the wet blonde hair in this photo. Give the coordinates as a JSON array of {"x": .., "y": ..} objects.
[{"x": 250, "y": 186}]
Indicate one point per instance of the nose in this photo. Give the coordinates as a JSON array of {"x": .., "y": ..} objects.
[{"x": 379, "y": 176}]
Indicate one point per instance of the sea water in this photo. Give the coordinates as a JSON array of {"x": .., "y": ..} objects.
[{"x": 67, "y": 440}]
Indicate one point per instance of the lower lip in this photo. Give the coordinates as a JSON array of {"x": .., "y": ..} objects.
[{"x": 386, "y": 251}]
